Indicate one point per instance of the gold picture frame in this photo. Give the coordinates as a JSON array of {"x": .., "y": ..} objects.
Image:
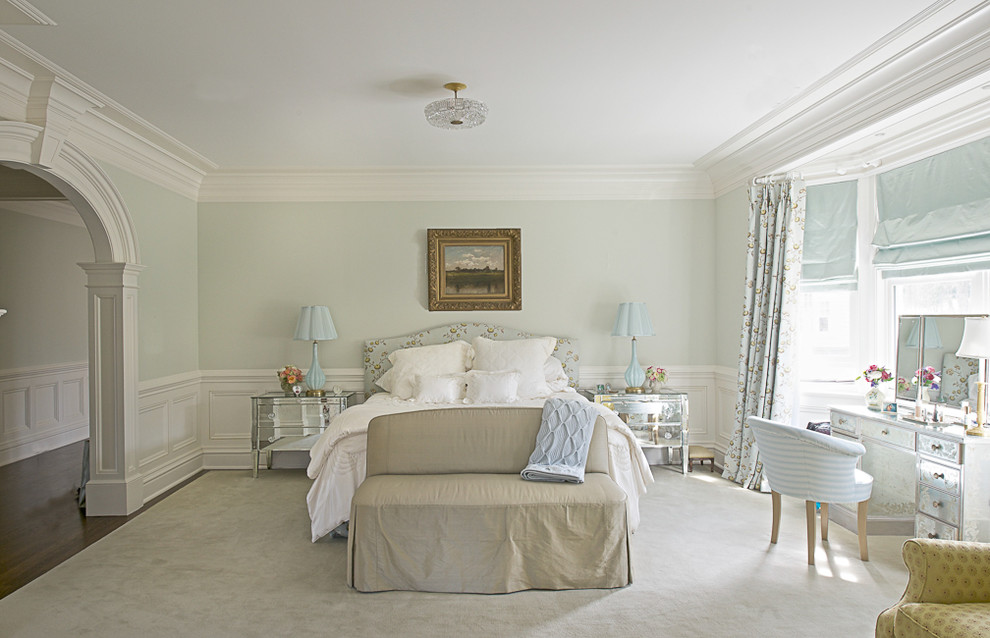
[{"x": 474, "y": 268}]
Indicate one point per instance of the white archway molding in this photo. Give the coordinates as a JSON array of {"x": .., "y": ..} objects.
[
  {"x": 115, "y": 487},
  {"x": 84, "y": 183}
]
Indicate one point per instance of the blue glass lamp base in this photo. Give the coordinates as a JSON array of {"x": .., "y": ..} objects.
[
  {"x": 315, "y": 378},
  {"x": 635, "y": 377}
]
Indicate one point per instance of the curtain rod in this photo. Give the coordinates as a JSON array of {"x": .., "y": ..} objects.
[{"x": 770, "y": 179}]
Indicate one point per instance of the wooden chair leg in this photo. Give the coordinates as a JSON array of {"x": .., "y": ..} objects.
[
  {"x": 775, "y": 496},
  {"x": 810, "y": 515},
  {"x": 825, "y": 522},
  {"x": 864, "y": 552}
]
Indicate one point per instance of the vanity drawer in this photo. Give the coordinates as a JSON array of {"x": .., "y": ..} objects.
[
  {"x": 938, "y": 504},
  {"x": 939, "y": 448},
  {"x": 939, "y": 476},
  {"x": 844, "y": 423},
  {"x": 880, "y": 431},
  {"x": 925, "y": 527}
]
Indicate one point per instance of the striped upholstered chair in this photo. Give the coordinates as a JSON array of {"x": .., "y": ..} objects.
[{"x": 815, "y": 467}]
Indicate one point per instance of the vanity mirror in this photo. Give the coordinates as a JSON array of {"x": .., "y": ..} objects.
[{"x": 932, "y": 340}]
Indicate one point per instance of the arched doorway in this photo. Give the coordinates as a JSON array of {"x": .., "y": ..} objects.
[{"x": 115, "y": 486}]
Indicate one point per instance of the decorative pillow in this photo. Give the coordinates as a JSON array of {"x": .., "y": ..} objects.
[
  {"x": 528, "y": 356},
  {"x": 438, "y": 360},
  {"x": 387, "y": 380},
  {"x": 492, "y": 387},
  {"x": 553, "y": 373},
  {"x": 445, "y": 389}
]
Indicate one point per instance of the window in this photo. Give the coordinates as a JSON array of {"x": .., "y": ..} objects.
[{"x": 829, "y": 343}]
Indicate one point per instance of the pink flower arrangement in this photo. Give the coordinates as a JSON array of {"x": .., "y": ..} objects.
[
  {"x": 876, "y": 375},
  {"x": 656, "y": 375},
  {"x": 289, "y": 375},
  {"x": 928, "y": 376},
  {"x": 903, "y": 385}
]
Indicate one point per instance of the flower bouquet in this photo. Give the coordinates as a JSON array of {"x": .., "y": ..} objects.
[
  {"x": 876, "y": 375},
  {"x": 656, "y": 377},
  {"x": 929, "y": 379},
  {"x": 289, "y": 376}
]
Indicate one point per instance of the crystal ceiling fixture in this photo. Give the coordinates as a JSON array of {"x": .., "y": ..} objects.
[{"x": 456, "y": 112}]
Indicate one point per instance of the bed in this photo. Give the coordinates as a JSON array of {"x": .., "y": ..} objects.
[{"x": 338, "y": 459}]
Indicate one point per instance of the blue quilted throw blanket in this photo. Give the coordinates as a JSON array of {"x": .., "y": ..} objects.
[{"x": 562, "y": 442}]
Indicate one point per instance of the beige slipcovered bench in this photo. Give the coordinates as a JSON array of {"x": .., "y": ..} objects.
[{"x": 443, "y": 509}]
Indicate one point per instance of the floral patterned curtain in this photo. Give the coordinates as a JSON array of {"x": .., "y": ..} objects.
[{"x": 768, "y": 349}]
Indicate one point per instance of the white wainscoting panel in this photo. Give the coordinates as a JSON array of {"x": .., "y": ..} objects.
[
  {"x": 43, "y": 408},
  {"x": 167, "y": 439}
]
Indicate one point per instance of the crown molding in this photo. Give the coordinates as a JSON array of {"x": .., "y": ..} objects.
[
  {"x": 945, "y": 46},
  {"x": 444, "y": 183},
  {"x": 908, "y": 142},
  {"x": 108, "y": 132},
  {"x": 23, "y": 12}
]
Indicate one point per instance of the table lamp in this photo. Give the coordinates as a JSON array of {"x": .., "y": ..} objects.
[
  {"x": 633, "y": 320},
  {"x": 976, "y": 345},
  {"x": 315, "y": 325}
]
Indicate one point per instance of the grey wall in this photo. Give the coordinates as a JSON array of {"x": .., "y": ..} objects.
[
  {"x": 168, "y": 300},
  {"x": 259, "y": 262},
  {"x": 730, "y": 238},
  {"x": 43, "y": 290}
]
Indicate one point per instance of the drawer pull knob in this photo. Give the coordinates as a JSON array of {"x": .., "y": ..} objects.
[
  {"x": 936, "y": 504},
  {"x": 936, "y": 447},
  {"x": 885, "y": 431},
  {"x": 938, "y": 475},
  {"x": 932, "y": 535}
]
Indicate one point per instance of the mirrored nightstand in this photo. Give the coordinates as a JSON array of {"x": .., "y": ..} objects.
[
  {"x": 281, "y": 422},
  {"x": 659, "y": 421}
]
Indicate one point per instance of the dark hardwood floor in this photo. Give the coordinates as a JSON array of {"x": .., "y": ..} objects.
[{"x": 41, "y": 524}]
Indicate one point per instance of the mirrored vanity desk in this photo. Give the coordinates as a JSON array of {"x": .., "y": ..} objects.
[{"x": 929, "y": 481}]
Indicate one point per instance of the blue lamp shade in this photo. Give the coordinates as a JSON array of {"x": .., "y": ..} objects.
[
  {"x": 315, "y": 324},
  {"x": 633, "y": 320}
]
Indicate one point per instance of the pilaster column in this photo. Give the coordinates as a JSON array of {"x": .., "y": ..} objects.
[{"x": 115, "y": 487}]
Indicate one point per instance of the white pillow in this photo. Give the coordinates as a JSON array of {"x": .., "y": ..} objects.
[
  {"x": 438, "y": 360},
  {"x": 553, "y": 372},
  {"x": 492, "y": 387},
  {"x": 445, "y": 389},
  {"x": 387, "y": 380},
  {"x": 528, "y": 356}
]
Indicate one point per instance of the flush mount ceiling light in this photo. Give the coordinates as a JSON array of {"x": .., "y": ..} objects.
[{"x": 456, "y": 112}]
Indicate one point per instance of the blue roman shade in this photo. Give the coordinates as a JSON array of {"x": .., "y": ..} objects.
[
  {"x": 829, "y": 258},
  {"x": 936, "y": 211}
]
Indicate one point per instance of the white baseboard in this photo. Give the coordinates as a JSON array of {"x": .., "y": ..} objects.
[
  {"x": 22, "y": 451},
  {"x": 168, "y": 476},
  {"x": 231, "y": 459}
]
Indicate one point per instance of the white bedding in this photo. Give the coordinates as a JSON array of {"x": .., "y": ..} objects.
[{"x": 337, "y": 461}]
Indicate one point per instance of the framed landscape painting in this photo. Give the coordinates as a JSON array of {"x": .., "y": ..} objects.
[{"x": 474, "y": 268}]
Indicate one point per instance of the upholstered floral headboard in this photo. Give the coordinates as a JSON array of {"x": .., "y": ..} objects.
[{"x": 376, "y": 351}]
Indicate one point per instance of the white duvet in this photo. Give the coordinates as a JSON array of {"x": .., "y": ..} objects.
[{"x": 337, "y": 461}]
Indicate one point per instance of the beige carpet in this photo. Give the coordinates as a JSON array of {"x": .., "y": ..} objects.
[{"x": 230, "y": 556}]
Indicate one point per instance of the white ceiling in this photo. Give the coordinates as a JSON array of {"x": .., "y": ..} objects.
[{"x": 321, "y": 83}]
